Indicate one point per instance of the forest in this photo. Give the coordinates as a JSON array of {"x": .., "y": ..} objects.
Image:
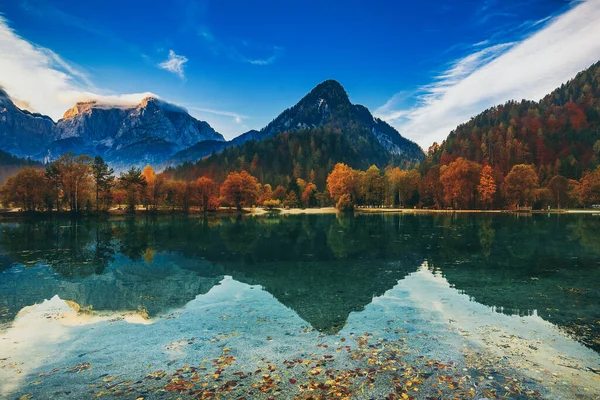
[
  {"x": 559, "y": 136},
  {"x": 81, "y": 184}
]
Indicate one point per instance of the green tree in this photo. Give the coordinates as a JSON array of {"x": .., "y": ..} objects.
[
  {"x": 133, "y": 182},
  {"x": 103, "y": 181}
]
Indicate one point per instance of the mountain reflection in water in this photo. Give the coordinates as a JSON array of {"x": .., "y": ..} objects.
[{"x": 322, "y": 267}]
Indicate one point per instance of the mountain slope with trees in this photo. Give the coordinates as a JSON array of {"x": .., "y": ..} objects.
[
  {"x": 306, "y": 141},
  {"x": 328, "y": 105},
  {"x": 559, "y": 135}
]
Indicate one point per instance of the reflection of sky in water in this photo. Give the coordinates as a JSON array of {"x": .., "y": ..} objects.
[
  {"x": 508, "y": 286},
  {"x": 251, "y": 323}
]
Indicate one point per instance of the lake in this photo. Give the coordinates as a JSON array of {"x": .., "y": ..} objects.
[{"x": 307, "y": 306}]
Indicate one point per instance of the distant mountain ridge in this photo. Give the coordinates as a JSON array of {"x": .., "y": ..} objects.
[
  {"x": 149, "y": 132},
  {"x": 160, "y": 133}
]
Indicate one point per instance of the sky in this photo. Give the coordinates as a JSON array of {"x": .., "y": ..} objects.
[{"x": 423, "y": 66}]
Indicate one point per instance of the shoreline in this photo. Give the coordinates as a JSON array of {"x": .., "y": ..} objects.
[{"x": 259, "y": 211}]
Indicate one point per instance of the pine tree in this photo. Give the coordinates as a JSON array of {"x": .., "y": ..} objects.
[{"x": 103, "y": 178}]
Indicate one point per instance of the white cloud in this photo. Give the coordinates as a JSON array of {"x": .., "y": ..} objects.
[
  {"x": 40, "y": 80},
  {"x": 174, "y": 64},
  {"x": 528, "y": 69},
  {"x": 236, "y": 117}
]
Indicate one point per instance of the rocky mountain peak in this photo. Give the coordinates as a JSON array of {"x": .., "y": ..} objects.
[
  {"x": 80, "y": 107},
  {"x": 150, "y": 100},
  {"x": 329, "y": 92}
]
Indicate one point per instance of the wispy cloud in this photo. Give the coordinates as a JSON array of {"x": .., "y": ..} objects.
[
  {"x": 40, "y": 80},
  {"x": 238, "y": 118},
  {"x": 525, "y": 69},
  {"x": 174, "y": 63},
  {"x": 252, "y": 54}
]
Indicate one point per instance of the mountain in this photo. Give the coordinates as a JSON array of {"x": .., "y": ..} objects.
[
  {"x": 149, "y": 132},
  {"x": 560, "y": 134},
  {"x": 22, "y": 133},
  {"x": 306, "y": 140},
  {"x": 198, "y": 151},
  {"x": 328, "y": 105}
]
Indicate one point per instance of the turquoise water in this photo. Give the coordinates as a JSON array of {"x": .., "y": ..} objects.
[{"x": 307, "y": 306}]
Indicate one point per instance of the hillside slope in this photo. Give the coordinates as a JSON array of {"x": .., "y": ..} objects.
[{"x": 560, "y": 134}]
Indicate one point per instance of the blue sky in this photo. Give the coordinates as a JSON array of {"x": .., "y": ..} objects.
[{"x": 424, "y": 66}]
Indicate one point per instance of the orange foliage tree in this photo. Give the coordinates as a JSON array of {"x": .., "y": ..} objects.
[
  {"x": 25, "y": 190},
  {"x": 590, "y": 187},
  {"x": 147, "y": 195},
  {"x": 207, "y": 193},
  {"x": 431, "y": 190},
  {"x": 240, "y": 189},
  {"x": 266, "y": 194},
  {"x": 308, "y": 197},
  {"x": 342, "y": 181},
  {"x": 487, "y": 186},
  {"x": 460, "y": 179},
  {"x": 279, "y": 193}
]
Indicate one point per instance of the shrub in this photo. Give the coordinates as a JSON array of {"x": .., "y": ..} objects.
[{"x": 271, "y": 204}]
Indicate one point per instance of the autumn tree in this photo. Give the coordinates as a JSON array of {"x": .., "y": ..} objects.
[
  {"x": 291, "y": 200},
  {"x": 279, "y": 193},
  {"x": 431, "y": 190},
  {"x": 393, "y": 177},
  {"x": 460, "y": 179},
  {"x": 25, "y": 190},
  {"x": 590, "y": 188},
  {"x": 148, "y": 192},
  {"x": 240, "y": 189},
  {"x": 207, "y": 194},
  {"x": 558, "y": 187},
  {"x": 184, "y": 194},
  {"x": 408, "y": 187},
  {"x": 372, "y": 186},
  {"x": 487, "y": 186},
  {"x": 521, "y": 184},
  {"x": 308, "y": 198},
  {"x": 342, "y": 181},
  {"x": 75, "y": 178},
  {"x": 104, "y": 177},
  {"x": 266, "y": 193},
  {"x": 133, "y": 183}
]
